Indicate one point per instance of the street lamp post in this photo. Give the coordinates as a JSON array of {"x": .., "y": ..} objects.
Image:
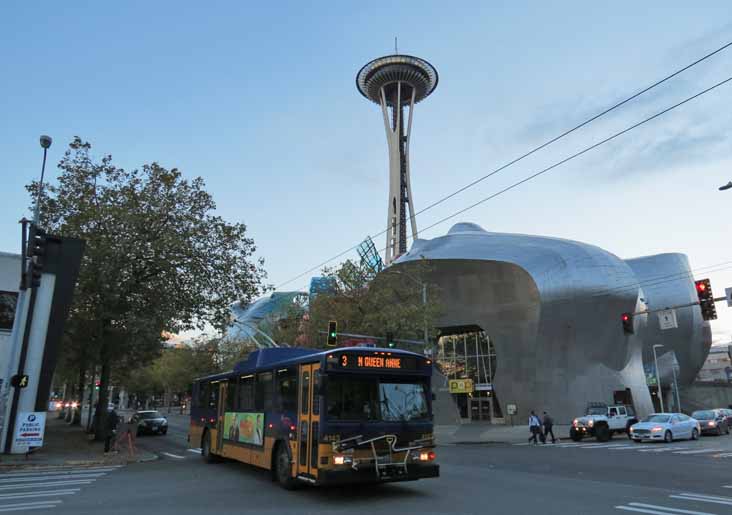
[
  {"x": 424, "y": 304},
  {"x": 45, "y": 143},
  {"x": 658, "y": 376}
]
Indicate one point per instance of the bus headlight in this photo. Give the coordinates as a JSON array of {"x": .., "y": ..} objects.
[{"x": 340, "y": 459}]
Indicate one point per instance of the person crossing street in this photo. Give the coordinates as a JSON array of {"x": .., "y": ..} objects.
[{"x": 534, "y": 427}]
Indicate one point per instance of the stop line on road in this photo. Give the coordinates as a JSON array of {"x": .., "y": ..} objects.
[
  {"x": 686, "y": 503},
  {"x": 45, "y": 488}
]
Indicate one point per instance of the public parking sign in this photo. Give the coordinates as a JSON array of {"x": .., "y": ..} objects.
[{"x": 30, "y": 428}]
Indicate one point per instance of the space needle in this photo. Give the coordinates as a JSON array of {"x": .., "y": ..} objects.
[{"x": 396, "y": 82}]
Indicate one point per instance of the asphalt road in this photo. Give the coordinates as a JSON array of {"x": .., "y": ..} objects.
[{"x": 614, "y": 478}]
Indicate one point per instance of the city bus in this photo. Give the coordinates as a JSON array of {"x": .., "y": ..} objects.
[{"x": 346, "y": 415}]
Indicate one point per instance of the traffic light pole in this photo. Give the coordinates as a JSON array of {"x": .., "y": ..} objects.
[
  {"x": 21, "y": 366},
  {"x": 697, "y": 303}
]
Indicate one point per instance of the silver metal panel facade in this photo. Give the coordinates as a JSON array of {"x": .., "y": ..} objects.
[{"x": 552, "y": 309}]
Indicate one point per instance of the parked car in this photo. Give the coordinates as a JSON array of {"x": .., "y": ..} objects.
[
  {"x": 712, "y": 421},
  {"x": 665, "y": 427},
  {"x": 150, "y": 422},
  {"x": 727, "y": 415}
]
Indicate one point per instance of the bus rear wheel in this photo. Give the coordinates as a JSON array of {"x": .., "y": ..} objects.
[
  {"x": 206, "y": 449},
  {"x": 283, "y": 468}
]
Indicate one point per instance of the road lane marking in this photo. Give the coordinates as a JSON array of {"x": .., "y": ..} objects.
[
  {"x": 704, "y": 498},
  {"x": 699, "y": 451},
  {"x": 174, "y": 456},
  {"x": 44, "y": 485},
  {"x": 198, "y": 451},
  {"x": 49, "y": 503},
  {"x": 67, "y": 491},
  {"x": 669, "y": 509},
  {"x": 645, "y": 510},
  {"x": 50, "y": 478},
  {"x": 606, "y": 446}
]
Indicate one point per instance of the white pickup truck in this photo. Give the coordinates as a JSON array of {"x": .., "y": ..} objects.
[{"x": 602, "y": 421}]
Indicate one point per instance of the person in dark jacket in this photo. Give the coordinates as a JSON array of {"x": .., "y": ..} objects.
[
  {"x": 548, "y": 423},
  {"x": 110, "y": 429}
]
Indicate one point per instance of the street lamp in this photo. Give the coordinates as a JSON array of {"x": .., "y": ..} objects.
[
  {"x": 658, "y": 376},
  {"x": 45, "y": 143},
  {"x": 726, "y": 186}
]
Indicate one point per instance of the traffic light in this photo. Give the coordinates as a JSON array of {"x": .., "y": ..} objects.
[
  {"x": 390, "y": 340},
  {"x": 37, "y": 242},
  {"x": 706, "y": 299},
  {"x": 627, "y": 319},
  {"x": 332, "y": 333},
  {"x": 97, "y": 384},
  {"x": 19, "y": 381}
]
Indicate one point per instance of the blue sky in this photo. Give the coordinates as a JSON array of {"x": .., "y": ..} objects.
[{"x": 260, "y": 101}]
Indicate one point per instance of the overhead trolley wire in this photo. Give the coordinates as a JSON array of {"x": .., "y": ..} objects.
[{"x": 533, "y": 151}]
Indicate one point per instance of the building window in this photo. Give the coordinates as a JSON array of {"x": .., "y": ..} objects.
[{"x": 8, "y": 301}]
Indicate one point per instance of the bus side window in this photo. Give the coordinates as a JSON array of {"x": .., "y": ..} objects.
[
  {"x": 213, "y": 395},
  {"x": 264, "y": 392},
  {"x": 246, "y": 393},
  {"x": 287, "y": 389},
  {"x": 202, "y": 395},
  {"x": 230, "y": 395}
]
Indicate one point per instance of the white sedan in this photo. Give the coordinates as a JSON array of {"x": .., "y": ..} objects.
[{"x": 665, "y": 426}]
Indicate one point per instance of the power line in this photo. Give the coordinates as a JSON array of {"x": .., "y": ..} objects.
[{"x": 523, "y": 156}]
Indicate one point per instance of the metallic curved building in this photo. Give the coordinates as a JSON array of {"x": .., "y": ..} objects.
[
  {"x": 395, "y": 82},
  {"x": 551, "y": 308}
]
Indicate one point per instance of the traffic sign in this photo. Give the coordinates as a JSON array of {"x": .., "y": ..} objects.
[
  {"x": 461, "y": 385},
  {"x": 19, "y": 381},
  {"x": 728, "y": 294},
  {"x": 667, "y": 319},
  {"x": 30, "y": 428}
]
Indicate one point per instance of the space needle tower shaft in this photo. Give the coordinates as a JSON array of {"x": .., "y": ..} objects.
[{"x": 396, "y": 83}]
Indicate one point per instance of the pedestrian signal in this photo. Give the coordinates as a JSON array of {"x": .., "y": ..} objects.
[{"x": 19, "y": 380}]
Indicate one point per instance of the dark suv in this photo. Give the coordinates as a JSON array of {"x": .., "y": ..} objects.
[
  {"x": 150, "y": 422},
  {"x": 712, "y": 421}
]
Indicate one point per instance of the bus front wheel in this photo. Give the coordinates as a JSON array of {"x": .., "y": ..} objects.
[{"x": 283, "y": 468}]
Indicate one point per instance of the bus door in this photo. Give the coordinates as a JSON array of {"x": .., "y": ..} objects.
[
  {"x": 308, "y": 420},
  {"x": 220, "y": 414}
]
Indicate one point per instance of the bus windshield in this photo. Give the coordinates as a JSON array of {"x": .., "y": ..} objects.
[{"x": 386, "y": 400}]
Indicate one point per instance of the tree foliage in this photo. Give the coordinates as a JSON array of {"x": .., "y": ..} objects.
[
  {"x": 390, "y": 303},
  {"x": 157, "y": 257}
]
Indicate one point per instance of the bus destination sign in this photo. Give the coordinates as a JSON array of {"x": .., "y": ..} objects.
[{"x": 382, "y": 361}]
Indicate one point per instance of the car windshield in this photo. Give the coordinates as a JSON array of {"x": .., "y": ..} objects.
[
  {"x": 657, "y": 418},
  {"x": 388, "y": 400},
  {"x": 703, "y": 415},
  {"x": 150, "y": 414},
  {"x": 596, "y": 411}
]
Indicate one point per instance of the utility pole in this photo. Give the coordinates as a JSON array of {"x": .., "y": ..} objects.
[{"x": 658, "y": 376}]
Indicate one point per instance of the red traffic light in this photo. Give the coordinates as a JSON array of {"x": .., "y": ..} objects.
[
  {"x": 701, "y": 286},
  {"x": 626, "y": 317}
]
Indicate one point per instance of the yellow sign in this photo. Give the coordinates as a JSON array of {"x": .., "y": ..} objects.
[{"x": 461, "y": 386}]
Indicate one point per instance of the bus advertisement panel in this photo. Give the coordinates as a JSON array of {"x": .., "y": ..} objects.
[{"x": 244, "y": 427}]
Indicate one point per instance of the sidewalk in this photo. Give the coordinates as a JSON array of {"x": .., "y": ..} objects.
[
  {"x": 69, "y": 445},
  {"x": 477, "y": 432}
]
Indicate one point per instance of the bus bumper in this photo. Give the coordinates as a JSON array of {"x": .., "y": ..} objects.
[{"x": 368, "y": 475}]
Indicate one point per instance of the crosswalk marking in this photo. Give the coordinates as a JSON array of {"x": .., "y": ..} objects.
[
  {"x": 654, "y": 509},
  {"x": 198, "y": 451},
  {"x": 699, "y": 451},
  {"x": 46, "y": 472},
  {"x": 655, "y": 448},
  {"x": 173, "y": 456},
  {"x": 42, "y": 488},
  {"x": 49, "y": 478}
]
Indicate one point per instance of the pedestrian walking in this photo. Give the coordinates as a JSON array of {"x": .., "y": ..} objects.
[
  {"x": 110, "y": 429},
  {"x": 548, "y": 425},
  {"x": 534, "y": 427}
]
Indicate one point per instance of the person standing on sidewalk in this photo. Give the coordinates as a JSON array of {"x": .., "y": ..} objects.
[
  {"x": 548, "y": 425},
  {"x": 110, "y": 429},
  {"x": 534, "y": 427}
]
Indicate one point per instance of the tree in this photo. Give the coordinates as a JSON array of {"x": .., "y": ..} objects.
[
  {"x": 157, "y": 257},
  {"x": 390, "y": 303}
]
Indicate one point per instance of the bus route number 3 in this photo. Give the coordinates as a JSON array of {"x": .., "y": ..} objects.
[{"x": 344, "y": 360}]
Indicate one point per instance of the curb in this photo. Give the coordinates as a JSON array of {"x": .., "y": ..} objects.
[{"x": 76, "y": 463}]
